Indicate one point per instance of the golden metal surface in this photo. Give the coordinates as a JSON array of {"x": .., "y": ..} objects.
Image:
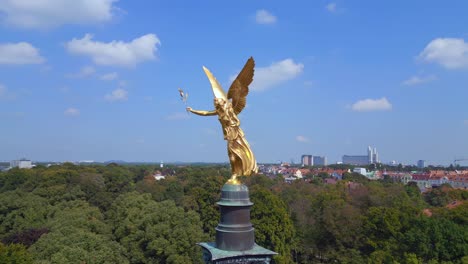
[{"x": 227, "y": 107}]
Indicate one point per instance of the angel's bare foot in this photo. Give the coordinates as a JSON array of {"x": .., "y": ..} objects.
[{"x": 233, "y": 179}]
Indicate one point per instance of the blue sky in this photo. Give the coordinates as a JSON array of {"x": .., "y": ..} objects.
[{"x": 97, "y": 80}]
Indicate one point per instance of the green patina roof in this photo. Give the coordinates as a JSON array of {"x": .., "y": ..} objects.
[
  {"x": 234, "y": 187},
  {"x": 217, "y": 253},
  {"x": 235, "y": 195}
]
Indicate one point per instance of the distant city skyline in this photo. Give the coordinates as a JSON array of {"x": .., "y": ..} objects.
[
  {"x": 312, "y": 161},
  {"x": 97, "y": 80}
]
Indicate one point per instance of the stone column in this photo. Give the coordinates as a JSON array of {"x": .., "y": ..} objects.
[{"x": 234, "y": 231}]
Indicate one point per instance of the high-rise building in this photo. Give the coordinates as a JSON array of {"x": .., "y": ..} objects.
[
  {"x": 370, "y": 155},
  {"x": 355, "y": 160},
  {"x": 22, "y": 164},
  {"x": 370, "y": 158},
  {"x": 307, "y": 160},
  {"x": 375, "y": 158},
  {"x": 319, "y": 160},
  {"x": 421, "y": 164}
]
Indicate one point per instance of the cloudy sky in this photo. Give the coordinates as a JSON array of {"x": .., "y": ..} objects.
[{"x": 97, "y": 80}]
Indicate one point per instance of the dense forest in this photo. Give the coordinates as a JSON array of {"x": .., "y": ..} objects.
[{"x": 121, "y": 214}]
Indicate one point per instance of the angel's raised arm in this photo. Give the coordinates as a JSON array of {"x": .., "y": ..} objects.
[{"x": 201, "y": 112}]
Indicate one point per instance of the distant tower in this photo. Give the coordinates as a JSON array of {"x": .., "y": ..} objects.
[
  {"x": 421, "y": 164},
  {"x": 319, "y": 160},
  {"x": 307, "y": 160},
  {"x": 161, "y": 165},
  {"x": 370, "y": 155},
  {"x": 376, "y": 156}
]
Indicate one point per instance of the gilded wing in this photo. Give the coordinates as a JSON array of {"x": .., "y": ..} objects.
[
  {"x": 240, "y": 87},
  {"x": 215, "y": 86}
]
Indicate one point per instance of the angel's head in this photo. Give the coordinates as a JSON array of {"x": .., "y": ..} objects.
[
  {"x": 222, "y": 105},
  {"x": 219, "y": 103}
]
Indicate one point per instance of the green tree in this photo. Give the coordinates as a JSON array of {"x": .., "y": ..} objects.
[
  {"x": 437, "y": 197},
  {"x": 153, "y": 232},
  {"x": 14, "y": 179},
  {"x": 334, "y": 232},
  {"x": 73, "y": 245},
  {"x": 174, "y": 190},
  {"x": 202, "y": 198},
  {"x": 355, "y": 177},
  {"x": 412, "y": 190},
  {"x": 157, "y": 189},
  {"x": 436, "y": 238},
  {"x": 323, "y": 175},
  {"x": 274, "y": 228},
  {"x": 411, "y": 258},
  {"x": 298, "y": 197},
  {"x": 78, "y": 234},
  {"x": 118, "y": 179},
  {"x": 14, "y": 254},
  {"x": 458, "y": 215},
  {"x": 382, "y": 228},
  {"x": 57, "y": 183},
  {"x": 20, "y": 211}
]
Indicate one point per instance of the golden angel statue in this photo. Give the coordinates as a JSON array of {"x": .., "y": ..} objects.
[{"x": 227, "y": 107}]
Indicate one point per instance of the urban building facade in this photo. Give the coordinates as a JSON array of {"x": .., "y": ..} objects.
[
  {"x": 361, "y": 171},
  {"x": 309, "y": 160},
  {"x": 320, "y": 160},
  {"x": 22, "y": 164},
  {"x": 375, "y": 156},
  {"x": 371, "y": 158},
  {"x": 356, "y": 160},
  {"x": 421, "y": 164}
]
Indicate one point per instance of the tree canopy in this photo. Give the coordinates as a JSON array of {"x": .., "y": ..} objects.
[{"x": 122, "y": 214}]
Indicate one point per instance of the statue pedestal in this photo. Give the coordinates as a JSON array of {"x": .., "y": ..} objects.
[{"x": 235, "y": 238}]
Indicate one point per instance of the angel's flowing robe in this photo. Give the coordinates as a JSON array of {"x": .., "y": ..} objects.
[{"x": 241, "y": 157}]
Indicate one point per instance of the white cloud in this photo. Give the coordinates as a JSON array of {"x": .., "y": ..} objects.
[
  {"x": 331, "y": 7},
  {"x": 415, "y": 80},
  {"x": 178, "y": 116},
  {"x": 116, "y": 53},
  {"x": 276, "y": 73},
  {"x": 264, "y": 17},
  {"x": 109, "y": 76},
  {"x": 72, "y": 112},
  {"x": 40, "y": 14},
  {"x": 368, "y": 105},
  {"x": 85, "y": 71},
  {"x": 19, "y": 53},
  {"x": 302, "y": 139},
  {"x": 117, "y": 95},
  {"x": 451, "y": 53}
]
